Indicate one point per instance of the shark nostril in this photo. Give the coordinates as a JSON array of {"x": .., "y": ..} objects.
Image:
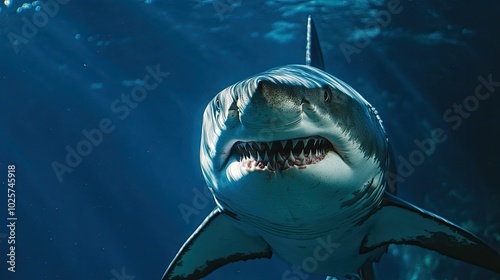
[{"x": 234, "y": 106}]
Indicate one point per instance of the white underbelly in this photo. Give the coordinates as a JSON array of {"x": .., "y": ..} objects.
[
  {"x": 334, "y": 254},
  {"x": 309, "y": 218}
]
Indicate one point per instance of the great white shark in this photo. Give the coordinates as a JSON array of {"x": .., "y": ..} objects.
[{"x": 298, "y": 162}]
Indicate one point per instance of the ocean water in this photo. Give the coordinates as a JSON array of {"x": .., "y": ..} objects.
[{"x": 101, "y": 177}]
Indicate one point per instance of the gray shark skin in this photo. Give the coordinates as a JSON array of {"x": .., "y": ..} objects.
[{"x": 298, "y": 164}]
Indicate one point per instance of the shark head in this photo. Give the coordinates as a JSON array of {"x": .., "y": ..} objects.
[{"x": 297, "y": 130}]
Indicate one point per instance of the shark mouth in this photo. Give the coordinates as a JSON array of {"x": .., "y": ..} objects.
[{"x": 281, "y": 155}]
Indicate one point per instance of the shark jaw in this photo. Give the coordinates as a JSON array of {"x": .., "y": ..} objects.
[
  {"x": 281, "y": 155},
  {"x": 312, "y": 158}
]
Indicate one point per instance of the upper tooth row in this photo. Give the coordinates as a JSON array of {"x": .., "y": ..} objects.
[
  {"x": 279, "y": 158},
  {"x": 248, "y": 145}
]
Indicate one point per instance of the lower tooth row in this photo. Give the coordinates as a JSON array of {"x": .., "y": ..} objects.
[{"x": 281, "y": 163}]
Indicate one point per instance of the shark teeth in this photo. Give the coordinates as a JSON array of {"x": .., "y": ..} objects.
[{"x": 283, "y": 154}]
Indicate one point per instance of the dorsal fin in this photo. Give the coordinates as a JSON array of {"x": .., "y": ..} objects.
[{"x": 314, "y": 57}]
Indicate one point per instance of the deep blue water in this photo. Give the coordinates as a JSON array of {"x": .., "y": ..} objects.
[{"x": 116, "y": 214}]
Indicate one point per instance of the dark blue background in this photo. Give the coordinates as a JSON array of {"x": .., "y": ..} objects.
[{"x": 118, "y": 213}]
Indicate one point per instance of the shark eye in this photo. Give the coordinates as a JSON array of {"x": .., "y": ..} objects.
[{"x": 327, "y": 95}]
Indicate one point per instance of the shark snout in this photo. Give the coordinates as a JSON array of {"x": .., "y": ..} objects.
[{"x": 272, "y": 105}]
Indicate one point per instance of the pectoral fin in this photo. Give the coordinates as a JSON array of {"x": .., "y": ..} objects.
[
  {"x": 215, "y": 243},
  {"x": 398, "y": 222}
]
